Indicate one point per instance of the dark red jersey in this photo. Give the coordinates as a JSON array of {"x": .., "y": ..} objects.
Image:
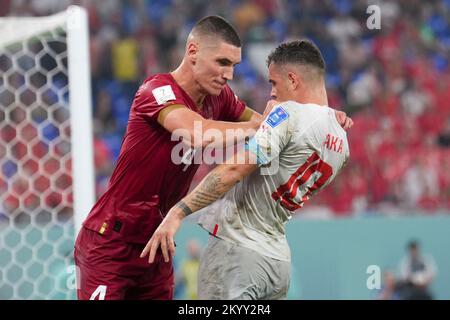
[{"x": 146, "y": 183}]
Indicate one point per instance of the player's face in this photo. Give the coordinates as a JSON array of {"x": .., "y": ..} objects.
[
  {"x": 279, "y": 80},
  {"x": 215, "y": 66}
]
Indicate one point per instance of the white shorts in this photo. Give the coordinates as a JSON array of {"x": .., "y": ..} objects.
[{"x": 231, "y": 272}]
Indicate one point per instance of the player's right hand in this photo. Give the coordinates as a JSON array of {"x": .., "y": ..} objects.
[
  {"x": 345, "y": 122},
  {"x": 163, "y": 237}
]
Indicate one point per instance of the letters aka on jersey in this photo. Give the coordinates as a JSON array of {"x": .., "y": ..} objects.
[{"x": 334, "y": 143}]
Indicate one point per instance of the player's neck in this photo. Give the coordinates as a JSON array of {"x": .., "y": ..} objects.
[
  {"x": 316, "y": 95},
  {"x": 183, "y": 77}
]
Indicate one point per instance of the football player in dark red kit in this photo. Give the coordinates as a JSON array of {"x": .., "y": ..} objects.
[{"x": 147, "y": 181}]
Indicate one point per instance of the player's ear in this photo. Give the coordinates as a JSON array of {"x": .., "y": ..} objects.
[
  {"x": 294, "y": 80},
  {"x": 192, "y": 51}
]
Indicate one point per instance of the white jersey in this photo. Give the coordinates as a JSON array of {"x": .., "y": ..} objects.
[{"x": 300, "y": 149}]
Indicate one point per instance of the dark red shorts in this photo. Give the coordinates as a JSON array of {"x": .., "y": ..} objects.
[{"x": 110, "y": 269}]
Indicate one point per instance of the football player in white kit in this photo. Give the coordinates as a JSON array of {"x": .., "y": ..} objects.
[{"x": 297, "y": 151}]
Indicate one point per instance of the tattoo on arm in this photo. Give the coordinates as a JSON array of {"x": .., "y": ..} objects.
[
  {"x": 211, "y": 189},
  {"x": 183, "y": 206},
  {"x": 202, "y": 199}
]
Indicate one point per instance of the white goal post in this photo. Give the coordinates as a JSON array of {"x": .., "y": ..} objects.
[
  {"x": 47, "y": 184},
  {"x": 81, "y": 113}
]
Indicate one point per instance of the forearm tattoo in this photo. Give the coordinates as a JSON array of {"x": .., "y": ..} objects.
[
  {"x": 183, "y": 206},
  {"x": 215, "y": 185},
  {"x": 208, "y": 191}
]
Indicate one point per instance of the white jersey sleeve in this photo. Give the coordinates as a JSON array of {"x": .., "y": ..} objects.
[{"x": 271, "y": 137}]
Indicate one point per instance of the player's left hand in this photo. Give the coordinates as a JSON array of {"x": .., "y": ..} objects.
[
  {"x": 269, "y": 106},
  {"x": 163, "y": 237},
  {"x": 345, "y": 122}
]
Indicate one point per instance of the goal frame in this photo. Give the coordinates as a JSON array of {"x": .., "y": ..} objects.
[{"x": 80, "y": 114}]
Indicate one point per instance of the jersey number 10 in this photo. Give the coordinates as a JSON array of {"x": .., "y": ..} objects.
[{"x": 287, "y": 192}]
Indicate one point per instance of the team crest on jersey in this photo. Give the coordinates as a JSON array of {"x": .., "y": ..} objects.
[
  {"x": 163, "y": 94},
  {"x": 276, "y": 117}
]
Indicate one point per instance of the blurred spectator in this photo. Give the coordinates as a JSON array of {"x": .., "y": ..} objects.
[
  {"x": 247, "y": 15},
  {"x": 421, "y": 181},
  {"x": 390, "y": 289},
  {"x": 343, "y": 27},
  {"x": 104, "y": 121},
  {"x": 414, "y": 100},
  {"x": 125, "y": 59},
  {"x": 444, "y": 135},
  {"x": 417, "y": 272},
  {"x": 188, "y": 273}
]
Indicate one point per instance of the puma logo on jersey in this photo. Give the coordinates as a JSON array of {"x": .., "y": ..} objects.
[{"x": 334, "y": 143}]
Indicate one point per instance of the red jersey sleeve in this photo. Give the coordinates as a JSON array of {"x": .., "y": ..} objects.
[
  {"x": 155, "y": 95},
  {"x": 234, "y": 107}
]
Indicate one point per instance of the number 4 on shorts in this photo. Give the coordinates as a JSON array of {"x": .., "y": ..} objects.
[{"x": 100, "y": 292}]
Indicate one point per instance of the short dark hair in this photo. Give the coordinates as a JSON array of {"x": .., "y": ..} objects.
[
  {"x": 413, "y": 244},
  {"x": 297, "y": 52},
  {"x": 217, "y": 26}
]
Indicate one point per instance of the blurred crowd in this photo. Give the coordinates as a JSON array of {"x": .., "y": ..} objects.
[
  {"x": 417, "y": 271},
  {"x": 393, "y": 81}
]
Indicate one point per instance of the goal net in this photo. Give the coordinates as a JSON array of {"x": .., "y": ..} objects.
[{"x": 46, "y": 157}]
